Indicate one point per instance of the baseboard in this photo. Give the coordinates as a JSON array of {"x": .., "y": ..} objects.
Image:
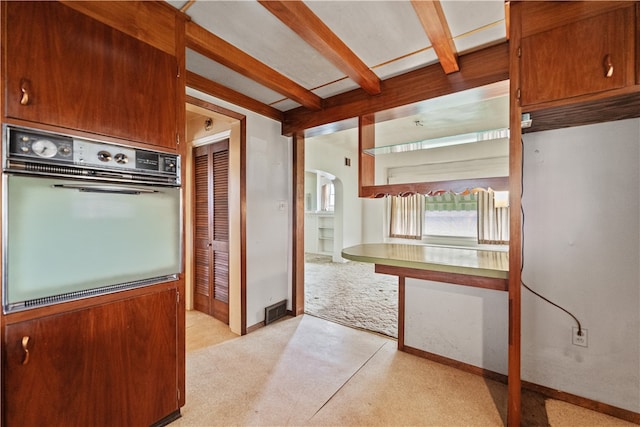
[
  {"x": 255, "y": 327},
  {"x": 604, "y": 408},
  {"x": 583, "y": 402},
  {"x": 259, "y": 325},
  {"x": 486, "y": 373}
]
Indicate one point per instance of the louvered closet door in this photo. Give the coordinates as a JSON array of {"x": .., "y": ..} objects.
[{"x": 211, "y": 240}]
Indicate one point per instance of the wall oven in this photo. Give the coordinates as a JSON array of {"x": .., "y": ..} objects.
[{"x": 83, "y": 217}]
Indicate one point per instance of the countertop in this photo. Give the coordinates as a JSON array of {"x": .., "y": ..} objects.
[{"x": 474, "y": 262}]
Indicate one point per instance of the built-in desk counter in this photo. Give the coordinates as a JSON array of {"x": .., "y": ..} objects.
[{"x": 471, "y": 267}]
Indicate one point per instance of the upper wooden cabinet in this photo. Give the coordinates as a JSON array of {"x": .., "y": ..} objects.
[
  {"x": 577, "y": 61},
  {"x": 68, "y": 70},
  {"x": 591, "y": 55}
]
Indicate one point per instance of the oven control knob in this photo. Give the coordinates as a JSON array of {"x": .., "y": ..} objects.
[
  {"x": 104, "y": 156},
  {"x": 121, "y": 158},
  {"x": 64, "y": 150}
]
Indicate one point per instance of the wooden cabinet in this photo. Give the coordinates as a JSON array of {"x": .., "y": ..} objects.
[
  {"x": 68, "y": 70},
  {"x": 112, "y": 364},
  {"x": 590, "y": 55},
  {"x": 577, "y": 62}
]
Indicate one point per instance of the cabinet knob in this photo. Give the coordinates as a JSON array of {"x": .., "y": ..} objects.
[
  {"x": 608, "y": 66},
  {"x": 25, "y": 88},
  {"x": 25, "y": 348}
]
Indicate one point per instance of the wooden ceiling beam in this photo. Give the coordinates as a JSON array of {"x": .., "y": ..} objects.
[
  {"x": 435, "y": 25},
  {"x": 306, "y": 24},
  {"x": 196, "y": 81},
  {"x": 219, "y": 50},
  {"x": 479, "y": 68}
]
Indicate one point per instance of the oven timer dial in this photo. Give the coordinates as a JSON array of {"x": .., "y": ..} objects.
[{"x": 44, "y": 148}]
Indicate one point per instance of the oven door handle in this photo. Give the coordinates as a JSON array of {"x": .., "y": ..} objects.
[{"x": 113, "y": 189}]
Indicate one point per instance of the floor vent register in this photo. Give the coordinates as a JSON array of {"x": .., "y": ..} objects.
[{"x": 275, "y": 312}]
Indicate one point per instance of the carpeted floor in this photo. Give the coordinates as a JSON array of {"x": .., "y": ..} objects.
[{"x": 351, "y": 294}]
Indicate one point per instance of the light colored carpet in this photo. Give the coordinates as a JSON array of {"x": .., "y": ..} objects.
[{"x": 351, "y": 294}]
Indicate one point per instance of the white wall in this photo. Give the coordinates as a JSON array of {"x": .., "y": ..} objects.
[
  {"x": 582, "y": 250},
  {"x": 459, "y": 322},
  {"x": 268, "y": 211}
]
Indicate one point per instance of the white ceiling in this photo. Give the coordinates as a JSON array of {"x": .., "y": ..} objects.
[{"x": 386, "y": 35}]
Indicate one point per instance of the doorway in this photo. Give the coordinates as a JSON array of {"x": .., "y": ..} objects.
[
  {"x": 215, "y": 221},
  {"x": 348, "y": 293}
]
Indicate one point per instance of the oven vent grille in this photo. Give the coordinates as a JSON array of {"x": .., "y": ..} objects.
[
  {"x": 63, "y": 170},
  {"x": 71, "y": 296},
  {"x": 106, "y": 175},
  {"x": 275, "y": 312}
]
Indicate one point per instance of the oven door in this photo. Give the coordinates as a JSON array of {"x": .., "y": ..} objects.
[{"x": 66, "y": 239}]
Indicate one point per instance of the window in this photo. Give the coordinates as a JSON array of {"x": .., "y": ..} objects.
[
  {"x": 327, "y": 197},
  {"x": 450, "y": 214},
  {"x": 479, "y": 216}
]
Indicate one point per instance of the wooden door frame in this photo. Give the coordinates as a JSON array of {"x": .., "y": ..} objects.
[
  {"x": 243, "y": 199},
  {"x": 297, "y": 240}
]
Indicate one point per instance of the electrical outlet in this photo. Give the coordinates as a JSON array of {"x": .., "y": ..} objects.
[{"x": 581, "y": 340}]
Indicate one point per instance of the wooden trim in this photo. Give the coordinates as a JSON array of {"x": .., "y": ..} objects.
[
  {"x": 583, "y": 402},
  {"x": 573, "y": 399},
  {"x": 301, "y": 20},
  {"x": 637, "y": 28},
  {"x": 514, "y": 400},
  {"x": 486, "y": 373},
  {"x": 439, "y": 276},
  {"x": 401, "y": 312},
  {"x": 479, "y": 68},
  {"x": 457, "y": 186},
  {"x": 297, "y": 244},
  {"x": 217, "y": 49},
  {"x": 367, "y": 163},
  {"x": 212, "y": 107},
  {"x": 254, "y": 328},
  {"x": 212, "y": 88},
  {"x": 243, "y": 226},
  {"x": 181, "y": 119},
  {"x": 615, "y": 106},
  {"x": 507, "y": 18},
  {"x": 435, "y": 25}
]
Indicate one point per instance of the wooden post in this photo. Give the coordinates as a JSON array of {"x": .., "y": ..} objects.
[{"x": 515, "y": 238}]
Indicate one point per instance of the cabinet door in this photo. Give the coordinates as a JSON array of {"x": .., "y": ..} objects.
[
  {"x": 66, "y": 69},
  {"x": 574, "y": 59},
  {"x": 113, "y": 365}
]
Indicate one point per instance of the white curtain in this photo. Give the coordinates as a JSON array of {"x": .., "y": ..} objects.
[
  {"x": 493, "y": 222},
  {"x": 406, "y": 216}
]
